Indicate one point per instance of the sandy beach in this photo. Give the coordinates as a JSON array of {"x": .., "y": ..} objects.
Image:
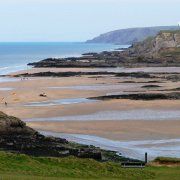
[{"x": 66, "y": 108}]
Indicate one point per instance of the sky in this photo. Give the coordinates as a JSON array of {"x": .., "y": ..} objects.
[{"x": 79, "y": 20}]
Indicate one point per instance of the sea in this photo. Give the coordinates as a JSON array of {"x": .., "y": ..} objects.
[{"x": 16, "y": 56}]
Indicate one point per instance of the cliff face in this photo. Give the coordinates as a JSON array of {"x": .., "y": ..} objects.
[
  {"x": 131, "y": 35},
  {"x": 164, "y": 42},
  {"x": 167, "y": 40}
]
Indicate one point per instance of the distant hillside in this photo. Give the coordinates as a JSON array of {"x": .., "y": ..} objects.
[{"x": 131, "y": 35}]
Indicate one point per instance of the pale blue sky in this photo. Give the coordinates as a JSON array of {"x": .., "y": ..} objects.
[{"x": 79, "y": 20}]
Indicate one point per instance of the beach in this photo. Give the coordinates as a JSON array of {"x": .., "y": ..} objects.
[
  {"x": 20, "y": 92},
  {"x": 67, "y": 109}
]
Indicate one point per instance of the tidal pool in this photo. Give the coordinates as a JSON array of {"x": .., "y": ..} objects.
[
  {"x": 101, "y": 87},
  {"x": 137, "y": 114},
  {"x": 8, "y": 79},
  {"x": 6, "y": 89},
  {"x": 60, "y": 102}
]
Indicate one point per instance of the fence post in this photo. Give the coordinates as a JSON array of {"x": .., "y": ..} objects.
[{"x": 146, "y": 158}]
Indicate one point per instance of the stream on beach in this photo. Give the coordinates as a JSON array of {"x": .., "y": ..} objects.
[{"x": 132, "y": 149}]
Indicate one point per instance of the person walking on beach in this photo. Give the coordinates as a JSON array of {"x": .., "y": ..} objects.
[{"x": 5, "y": 103}]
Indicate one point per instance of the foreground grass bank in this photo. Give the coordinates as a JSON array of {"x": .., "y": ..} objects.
[{"x": 16, "y": 166}]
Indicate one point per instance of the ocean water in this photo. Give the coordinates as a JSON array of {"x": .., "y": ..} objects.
[{"x": 16, "y": 56}]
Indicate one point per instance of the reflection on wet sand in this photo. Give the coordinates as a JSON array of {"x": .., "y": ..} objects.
[{"x": 139, "y": 114}]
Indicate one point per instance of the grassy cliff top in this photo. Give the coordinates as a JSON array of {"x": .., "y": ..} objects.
[{"x": 171, "y": 31}]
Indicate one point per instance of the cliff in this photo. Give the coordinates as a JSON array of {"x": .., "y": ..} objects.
[
  {"x": 165, "y": 44},
  {"x": 131, "y": 35}
]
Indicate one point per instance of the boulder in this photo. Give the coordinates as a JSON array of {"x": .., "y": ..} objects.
[{"x": 11, "y": 125}]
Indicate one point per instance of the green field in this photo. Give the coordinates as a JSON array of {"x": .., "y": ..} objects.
[{"x": 16, "y": 166}]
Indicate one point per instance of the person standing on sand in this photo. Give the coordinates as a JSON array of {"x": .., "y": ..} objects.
[{"x": 5, "y": 103}]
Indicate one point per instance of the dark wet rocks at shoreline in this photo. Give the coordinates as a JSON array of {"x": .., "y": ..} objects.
[
  {"x": 142, "y": 96},
  {"x": 61, "y": 74},
  {"x": 141, "y": 82},
  {"x": 81, "y": 62},
  {"x": 160, "y": 51},
  {"x": 155, "y": 76},
  {"x": 107, "y": 60},
  {"x": 151, "y": 86},
  {"x": 98, "y": 73}
]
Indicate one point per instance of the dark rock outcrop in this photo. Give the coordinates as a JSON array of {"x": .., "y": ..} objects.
[
  {"x": 162, "y": 50},
  {"x": 142, "y": 96},
  {"x": 16, "y": 137},
  {"x": 151, "y": 86},
  {"x": 62, "y": 74},
  {"x": 98, "y": 73}
]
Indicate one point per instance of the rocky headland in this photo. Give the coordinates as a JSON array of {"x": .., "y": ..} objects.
[{"x": 161, "y": 50}]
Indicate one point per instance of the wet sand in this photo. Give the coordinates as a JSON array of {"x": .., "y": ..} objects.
[
  {"x": 115, "y": 130},
  {"x": 127, "y": 120},
  {"x": 22, "y": 92}
]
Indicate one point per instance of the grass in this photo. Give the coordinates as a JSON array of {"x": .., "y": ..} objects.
[
  {"x": 16, "y": 166},
  {"x": 166, "y": 173},
  {"x": 170, "y": 31}
]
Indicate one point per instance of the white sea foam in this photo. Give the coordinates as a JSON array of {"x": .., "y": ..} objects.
[{"x": 10, "y": 69}]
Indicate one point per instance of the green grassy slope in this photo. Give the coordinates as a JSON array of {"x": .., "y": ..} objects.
[{"x": 14, "y": 166}]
